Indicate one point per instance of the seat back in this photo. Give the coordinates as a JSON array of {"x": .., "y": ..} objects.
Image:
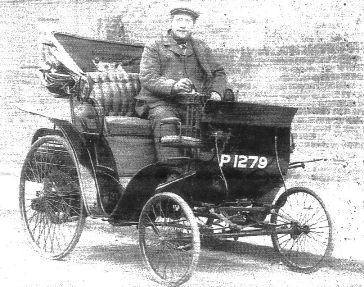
[{"x": 115, "y": 91}]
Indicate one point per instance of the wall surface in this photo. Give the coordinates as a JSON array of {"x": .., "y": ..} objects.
[{"x": 307, "y": 54}]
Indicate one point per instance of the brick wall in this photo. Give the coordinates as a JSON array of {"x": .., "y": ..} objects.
[
  {"x": 324, "y": 80},
  {"x": 307, "y": 54}
]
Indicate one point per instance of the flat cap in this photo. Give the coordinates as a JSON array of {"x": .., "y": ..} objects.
[{"x": 185, "y": 10}]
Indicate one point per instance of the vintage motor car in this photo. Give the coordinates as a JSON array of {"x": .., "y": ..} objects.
[{"x": 99, "y": 162}]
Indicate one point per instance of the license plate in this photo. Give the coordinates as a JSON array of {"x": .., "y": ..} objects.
[{"x": 243, "y": 161}]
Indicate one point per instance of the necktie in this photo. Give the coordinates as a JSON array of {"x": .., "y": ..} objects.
[{"x": 184, "y": 48}]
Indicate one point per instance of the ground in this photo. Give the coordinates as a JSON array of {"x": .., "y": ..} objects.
[{"x": 110, "y": 255}]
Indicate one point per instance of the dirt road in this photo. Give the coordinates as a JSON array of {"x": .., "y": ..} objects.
[{"x": 109, "y": 256}]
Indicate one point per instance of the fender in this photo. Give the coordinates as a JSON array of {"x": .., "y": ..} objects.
[
  {"x": 87, "y": 175},
  {"x": 140, "y": 188},
  {"x": 45, "y": 132}
]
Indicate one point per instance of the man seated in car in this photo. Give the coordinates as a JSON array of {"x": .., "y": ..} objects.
[{"x": 174, "y": 64}]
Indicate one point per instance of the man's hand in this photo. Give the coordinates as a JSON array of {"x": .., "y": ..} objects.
[
  {"x": 182, "y": 86},
  {"x": 215, "y": 96}
]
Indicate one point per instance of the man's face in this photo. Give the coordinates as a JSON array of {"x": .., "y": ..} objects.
[{"x": 182, "y": 25}]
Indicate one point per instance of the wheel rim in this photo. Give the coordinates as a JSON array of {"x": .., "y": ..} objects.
[
  {"x": 310, "y": 239},
  {"x": 50, "y": 198},
  {"x": 169, "y": 239}
]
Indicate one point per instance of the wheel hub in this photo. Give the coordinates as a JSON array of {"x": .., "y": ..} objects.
[
  {"x": 298, "y": 229},
  {"x": 59, "y": 205},
  {"x": 40, "y": 204}
]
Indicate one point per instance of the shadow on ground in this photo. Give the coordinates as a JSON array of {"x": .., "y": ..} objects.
[
  {"x": 269, "y": 255},
  {"x": 218, "y": 255}
]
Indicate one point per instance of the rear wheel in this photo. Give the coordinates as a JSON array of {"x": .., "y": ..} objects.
[
  {"x": 309, "y": 241},
  {"x": 169, "y": 239},
  {"x": 50, "y": 198}
]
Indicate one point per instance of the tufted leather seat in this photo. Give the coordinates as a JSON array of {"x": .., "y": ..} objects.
[
  {"x": 114, "y": 91},
  {"x": 129, "y": 137}
]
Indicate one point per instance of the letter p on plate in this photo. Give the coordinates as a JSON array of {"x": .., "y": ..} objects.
[{"x": 225, "y": 158}]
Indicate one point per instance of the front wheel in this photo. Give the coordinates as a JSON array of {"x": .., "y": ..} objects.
[
  {"x": 169, "y": 239},
  {"x": 309, "y": 240},
  {"x": 50, "y": 200}
]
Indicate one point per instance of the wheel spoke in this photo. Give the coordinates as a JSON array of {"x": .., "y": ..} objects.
[
  {"x": 283, "y": 214},
  {"x": 37, "y": 222}
]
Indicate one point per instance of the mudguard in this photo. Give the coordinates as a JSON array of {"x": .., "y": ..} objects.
[
  {"x": 89, "y": 188},
  {"x": 140, "y": 188}
]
